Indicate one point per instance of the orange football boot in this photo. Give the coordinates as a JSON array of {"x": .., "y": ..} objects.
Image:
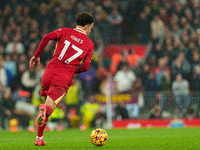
[{"x": 39, "y": 142}]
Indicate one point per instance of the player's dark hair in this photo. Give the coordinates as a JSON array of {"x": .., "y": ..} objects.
[{"x": 84, "y": 18}]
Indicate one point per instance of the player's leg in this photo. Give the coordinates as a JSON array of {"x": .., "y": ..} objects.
[
  {"x": 39, "y": 139},
  {"x": 41, "y": 126},
  {"x": 50, "y": 105},
  {"x": 54, "y": 94},
  {"x": 45, "y": 111},
  {"x": 42, "y": 119}
]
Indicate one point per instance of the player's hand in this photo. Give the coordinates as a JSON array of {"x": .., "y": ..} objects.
[{"x": 33, "y": 61}]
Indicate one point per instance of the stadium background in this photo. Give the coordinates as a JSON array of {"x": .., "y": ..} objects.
[{"x": 163, "y": 38}]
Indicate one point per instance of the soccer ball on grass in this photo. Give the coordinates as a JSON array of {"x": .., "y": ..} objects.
[{"x": 99, "y": 137}]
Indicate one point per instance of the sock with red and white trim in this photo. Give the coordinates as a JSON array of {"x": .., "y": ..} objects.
[
  {"x": 41, "y": 128},
  {"x": 49, "y": 110}
]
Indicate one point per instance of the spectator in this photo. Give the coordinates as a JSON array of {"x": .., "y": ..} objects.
[
  {"x": 188, "y": 15},
  {"x": 155, "y": 8},
  {"x": 36, "y": 99},
  {"x": 164, "y": 16},
  {"x": 191, "y": 48},
  {"x": 56, "y": 120},
  {"x": 20, "y": 70},
  {"x": 183, "y": 20},
  {"x": 80, "y": 7},
  {"x": 182, "y": 48},
  {"x": 145, "y": 72},
  {"x": 121, "y": 111},
  {"x": 158, "y": 52},
  {"x": 11, "y": 67},
  {"x": 102, "y": 24},
  {"x": 179, "y": 7},
  {"x": 157, "y": 26},
  {"x": 170, "y": 53},
  {"x": 165, "y": 88},
  {"x": 168, "y": 6},
  {"x": 100, "y": 118},
  {"x": 15, "y": 46},
  {"x": 29, "y": 80},
  {"x": 88, "y": 80},
  {"x": 185, "y": 39},
  {"x": 195, "y": 24},
  {"x": 195, "y": 80},
  {"x": 119, "y": 59},
  {"x": 143, "y": 28},
  {"x": 108, "y": 85},
  {"x": 124, "y": 79},
  {"x": 137, "y": 94},
  {"x": 132, "y": 57},
  {"x": 23, "y": 59},
  {"x": 156, "y": 111},
  {"x": 107, "y": 6},
  {"x": 102, "y": 71},
  {"x": 160, "y": 69},
  {"x": 168, "y": 39},
  {"x": 91, "y": 5},
  {"x": 163, "y": 34},
  {"x": 180, "y": 89},
  {"x": 116, "y": 59},
  {"x": 190, "y": 114},
  {"x": 195, "y": 61},
  {"x": 150, "y": 88},
  {"x": 3, "y": 75},
  {"x": 174, "y": 19},
  {"x": 180, "y": 65},
  {"x": 24, "y": 110},
  {"x": 176, "y": 43},
  {"x": 39, "y": 72},
  {"x": 176, "y": 31},
  {"x": 137, "y": 68},
  {"x": 89, "y": 110},
  {"x": 151, "y": 61},
  {"x": 7, "y": 105},
  {"x": 74, "y": 97},
  {"x": 116, "y": 19},
  {"x": 148, "y": 12}
]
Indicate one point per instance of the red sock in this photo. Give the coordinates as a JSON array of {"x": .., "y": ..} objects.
[
  {"x": 49, "y": 110},
  {"x": 41, "y": 128}
]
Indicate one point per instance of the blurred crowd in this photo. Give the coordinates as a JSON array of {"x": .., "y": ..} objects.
[
  {"x": 166, "y": 82},
  {"x": 173, "y": 59}
]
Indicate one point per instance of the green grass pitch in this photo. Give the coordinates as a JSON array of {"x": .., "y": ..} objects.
[{"x": 118, "y": 139}]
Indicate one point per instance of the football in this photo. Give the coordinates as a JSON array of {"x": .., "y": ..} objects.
[{"x": 99, "y": 137}]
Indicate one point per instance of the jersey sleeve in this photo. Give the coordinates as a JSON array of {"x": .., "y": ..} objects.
[
  {"x": 55, "y": 35},
  {"x": 59, "y": 32},
  {"x": 44, "y": 42}
]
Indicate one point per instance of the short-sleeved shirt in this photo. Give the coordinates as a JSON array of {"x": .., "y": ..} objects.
[{"x": 73, "y": 46}]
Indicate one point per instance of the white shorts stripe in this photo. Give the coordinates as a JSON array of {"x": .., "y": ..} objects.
[{"x": 59, "y": 99}]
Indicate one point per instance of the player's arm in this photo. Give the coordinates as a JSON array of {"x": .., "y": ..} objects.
[
  {"x": 86, "y": 63},
  {"x": 43, "y": 43},
  {"x": 84, "y": 67}
]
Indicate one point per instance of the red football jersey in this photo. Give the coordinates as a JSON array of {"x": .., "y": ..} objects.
[{"x": 73, "y": 46}]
